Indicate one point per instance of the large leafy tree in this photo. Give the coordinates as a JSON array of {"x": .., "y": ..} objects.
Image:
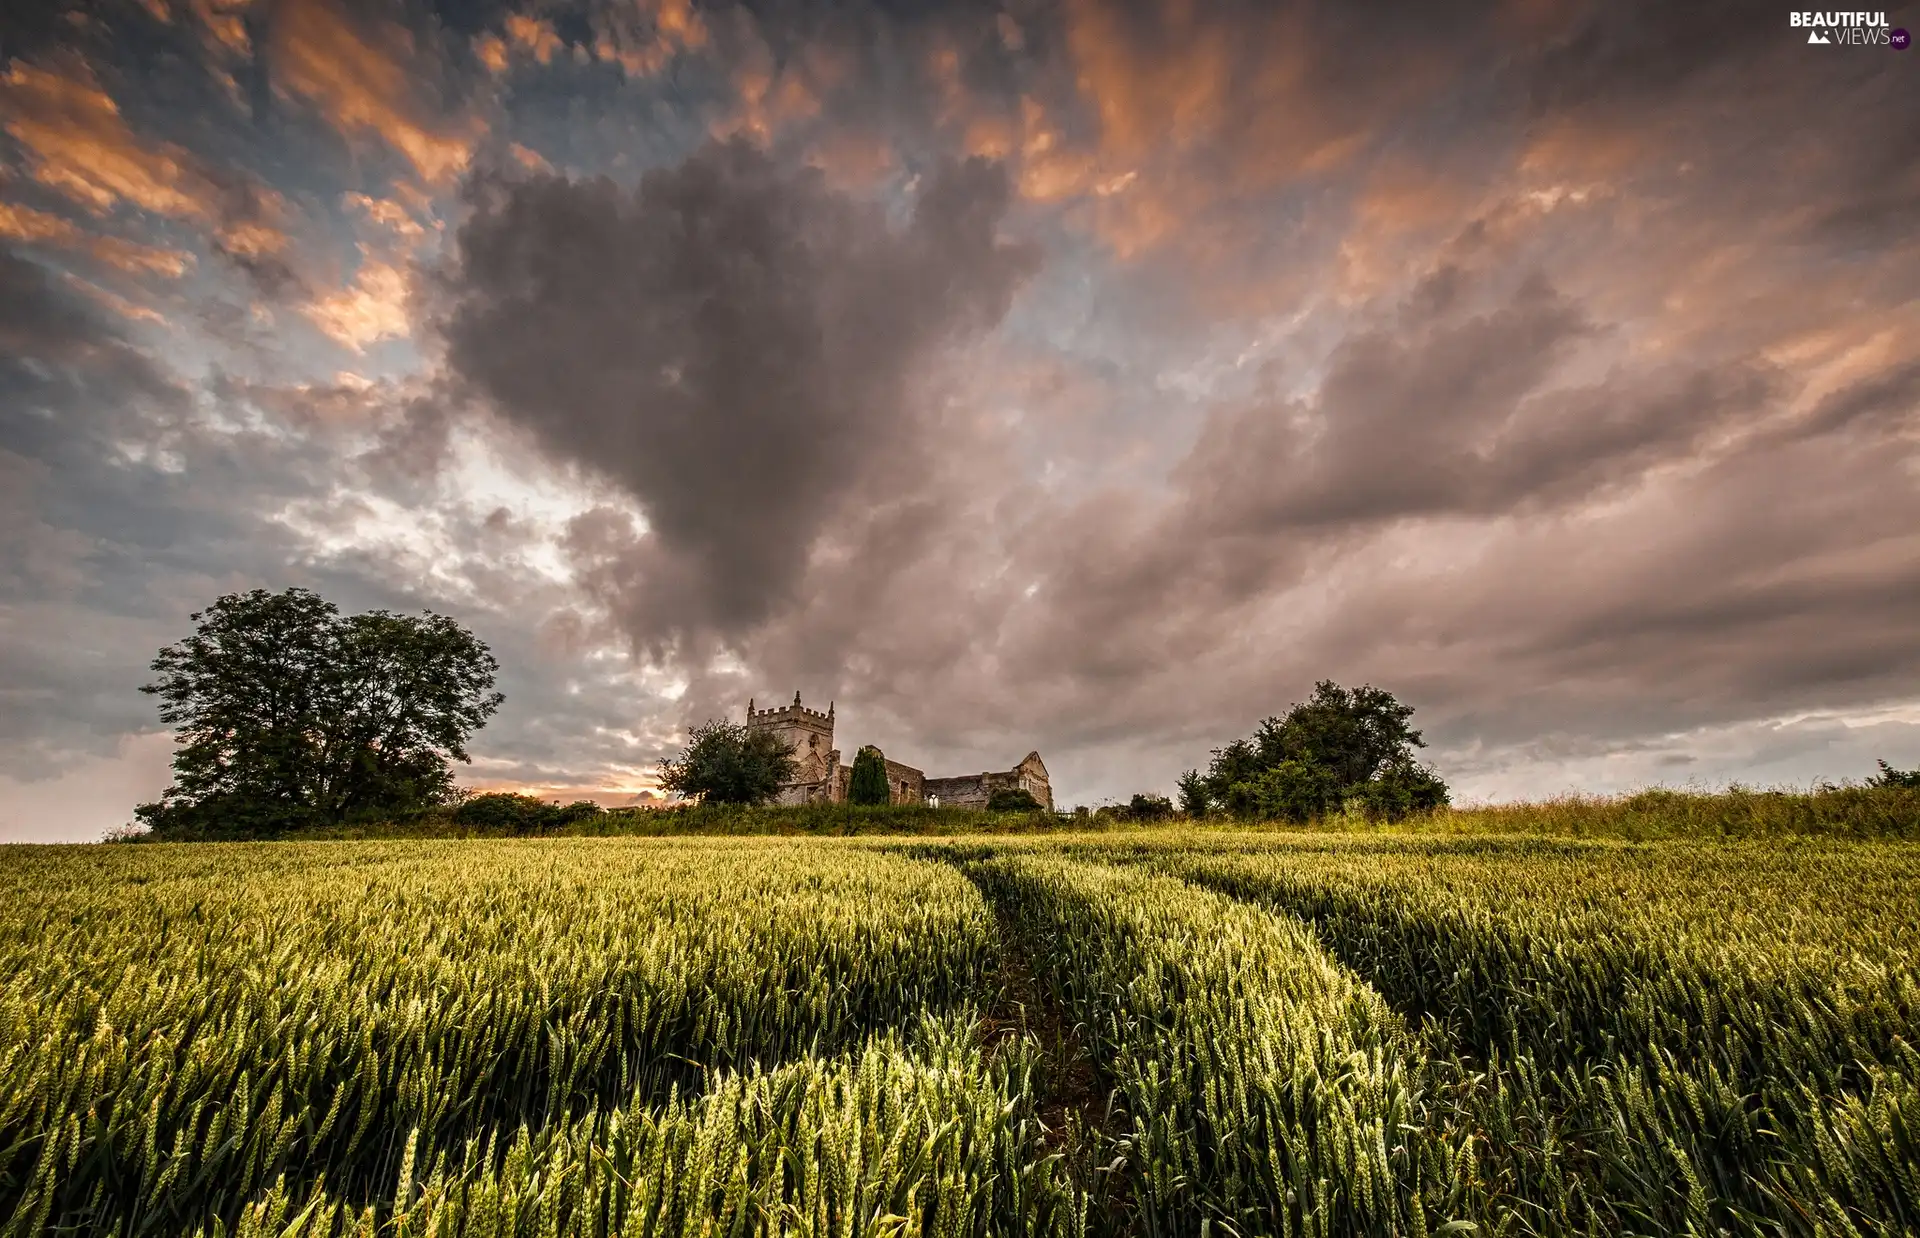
[
  {"x": 867, "y": 784},
  {"x": 1340, "y": 749},
  {"x": 290, "y": 714},
  {"x": 728, "y": 763}
]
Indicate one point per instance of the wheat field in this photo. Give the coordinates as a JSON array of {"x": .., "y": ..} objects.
[{"x": 1165, "y": 1033}]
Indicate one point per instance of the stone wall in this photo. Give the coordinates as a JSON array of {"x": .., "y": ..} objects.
[
  {"x": 905, "y": 784},
  {"x": 964, "y": 791},
  {"x": 974, "y": 790}
]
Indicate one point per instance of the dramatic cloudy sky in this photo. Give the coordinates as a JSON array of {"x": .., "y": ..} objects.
[{"x": 1089, "y": 377}]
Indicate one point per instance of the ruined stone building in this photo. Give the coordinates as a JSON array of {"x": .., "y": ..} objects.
[
  {"x": 974, "y": 790},
  {"x": 822, "y": 778}
]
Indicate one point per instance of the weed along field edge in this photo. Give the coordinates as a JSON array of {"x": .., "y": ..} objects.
[{"x": 1153, "y": 1032}]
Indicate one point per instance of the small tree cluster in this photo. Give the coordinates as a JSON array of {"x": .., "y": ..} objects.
[
  {"x": 730, "y": 763},
  {"x": 505, "y": 812},
  {"x": 1342, "y": 750},
  {"x": 1891, "y": 777},
  {"x": 1147, "y": 807},
  {"x": 1013, "y": 799}
]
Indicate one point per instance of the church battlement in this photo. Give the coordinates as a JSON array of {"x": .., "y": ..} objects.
[{"x": 795, "y": 711}]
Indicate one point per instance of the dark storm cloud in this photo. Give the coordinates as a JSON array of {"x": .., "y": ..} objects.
[
  {"x": 1614, "y": 55},
  {"x": 1446, "y": 409},
  {"x": 733, "y": 342},
  {"x": 1450, "y": 405}
]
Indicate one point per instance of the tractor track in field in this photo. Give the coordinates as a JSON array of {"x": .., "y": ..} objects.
[{"x": 1074, "y": 1094}]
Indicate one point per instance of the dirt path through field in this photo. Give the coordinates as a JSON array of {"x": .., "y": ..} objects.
[{"x": 1074, "y": 1092}]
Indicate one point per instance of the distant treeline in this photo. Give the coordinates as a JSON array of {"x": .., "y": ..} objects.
[
  {"x": 506, "y": 815},
  {"x": 1881, "y": 810}
]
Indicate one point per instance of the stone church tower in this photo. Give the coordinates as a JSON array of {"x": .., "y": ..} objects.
[{"x": 809, "y": 734}]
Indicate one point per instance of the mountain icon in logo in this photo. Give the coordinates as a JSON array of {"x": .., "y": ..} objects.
[{"x": 1817, "y": 37}]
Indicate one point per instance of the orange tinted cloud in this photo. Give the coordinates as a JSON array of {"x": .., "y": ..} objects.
[
  {"x": 1050, "y": 169},
  {"x": 387, "y": 213},
  {"x": 114, "y": 301},
  {"x": 77, "y": 144},
  {"x": 1172, "y": 90},
  {"x": 641, "y": 40},
  {"x": 1402, "y": 212},
  {"x": 677, "y": 21},
  {"x": 990, "y": 136},
  {"x": 252, "y": 230},
  {"x": 775, "y": 93},
  {"x": 373, "y": 308},
  {"x": 531, "y": 160},
  {"x": 363, "y": 85},
  {"x": 22, "y": 223},
  {"x": 768, "y": 100},
  {"x": 252, "y": 239},
  {"x": 522, "y": 33},
  {"x": 851, "y": 158},
  {"x": 1196, "y": 106},
  {"x": 989, "y": 124},
  {"x": 492, "y": 50},
  {"x": 1581, "y": 150},
  {"x": 534, "y": 36},
  {"x": 943, "y": 66},
  {"x": 225, "y": 24},
  {"x": 1193, "y": 79}
]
